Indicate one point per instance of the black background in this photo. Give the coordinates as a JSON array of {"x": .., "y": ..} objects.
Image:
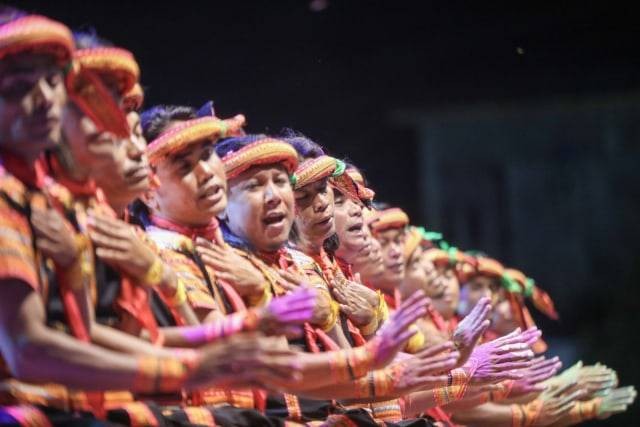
[{"x": 338, "y": 73}]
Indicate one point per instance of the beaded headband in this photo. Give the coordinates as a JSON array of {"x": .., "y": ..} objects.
[
  {"x": 191, "y": 131},
  {"x": 36, "y": 33},
  {"x": 112, "y": 61},
  {"x": 261, "y": 152},
  {"x": 389, "y": 218}
]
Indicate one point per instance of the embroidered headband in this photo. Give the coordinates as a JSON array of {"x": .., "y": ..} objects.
[
  {"x": 389, "y": 218},
  {"x": 516, "y": 281},
  {"x": 191, "y": 131},
  {"x": 113, "y": 62},
  {"x": 261, "y": 152},
  {"x": 38, "y": 34}
]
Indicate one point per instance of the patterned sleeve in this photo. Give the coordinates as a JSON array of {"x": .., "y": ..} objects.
[{"x": 17, "y": 257}]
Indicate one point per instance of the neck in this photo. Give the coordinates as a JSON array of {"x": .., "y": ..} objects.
[
  {"x": 309, "y": 247},
  {"x": 207, "y": 231}
]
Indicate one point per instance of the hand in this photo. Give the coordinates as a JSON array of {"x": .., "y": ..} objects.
[
  {"x": 354, "y": 303},
  {"x": 502, "y": 358},
  {"x": 471, "y": 328},
  {"x": 231, "y": 267},
  {"x": 554, "y": 405},
  {"x": 119, "y": 245},
  {"x": 424, "y": 370},
  {"x": 54, "y": 237},
  {"x": 244, "y": 360},
  {"x": 541, "y": 370},
  {"x": 291, "y": 280},
  {"x": 596, "y": 380},
  {"x": 395, "y": 332},
  {"x": 357, "y": 287},
  {"x": 285, "y": 314},
  {"x": 616, "y": 401}
]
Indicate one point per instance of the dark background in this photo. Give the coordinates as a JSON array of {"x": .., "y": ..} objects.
[{"x": 545, "y": 97}]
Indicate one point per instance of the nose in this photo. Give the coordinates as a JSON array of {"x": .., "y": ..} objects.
[
  {"x": 204, "y": 171},
  {"x": 135, "y": 148},
  {"x": 43, "y": 95},
  {"x": 321, "y": 202},
  {"x": 271, "y": 195},
  {"x": 354, "y": 210}
]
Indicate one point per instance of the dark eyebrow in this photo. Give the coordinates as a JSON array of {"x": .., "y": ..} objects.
[{"x": 179, "y": 157}]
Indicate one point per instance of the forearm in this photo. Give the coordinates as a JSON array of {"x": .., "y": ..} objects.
[
  {"x": 218, "y": 328},
  {"x": 113, "y": 339}
]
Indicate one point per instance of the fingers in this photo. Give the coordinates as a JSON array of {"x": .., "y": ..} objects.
[
  {"x": 106, "y": 241},
  {"x": 515, "y": 356},
  {"x": 434, "y": 350},
  {"x": 438, "y": 364}
]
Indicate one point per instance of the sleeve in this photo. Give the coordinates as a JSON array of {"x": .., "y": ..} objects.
[{"x": 17, "y": 257}]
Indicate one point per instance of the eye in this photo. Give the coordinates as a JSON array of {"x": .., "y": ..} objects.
[
  {"x": 207, "y": 153},
  {"x": 54, "y": 79},
  {"x": 281, "y": 179}
]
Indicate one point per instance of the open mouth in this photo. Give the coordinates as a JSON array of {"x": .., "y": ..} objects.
[
  {"x": 137, "y": 174},
  {"x": 273, "y": 219},
  {"x": 210, "y": 192},
  {"x": 355, "y": 228}
]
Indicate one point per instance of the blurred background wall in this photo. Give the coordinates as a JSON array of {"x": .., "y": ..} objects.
[{"x": 511, "y": 127}]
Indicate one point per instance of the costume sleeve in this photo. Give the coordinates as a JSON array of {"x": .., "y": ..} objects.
[{"x": 17, "y": 257}]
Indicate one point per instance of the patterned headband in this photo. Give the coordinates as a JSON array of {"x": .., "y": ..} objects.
[
  {"x": 261, "y": 152},
  {"x": 389, "y": 218},
  {"x": 515, "y": 281},
  {"x": 113, "y": 62},
  {"x": 191, "y": 131},
  {"x": 366, "y": 194},
  {"x": 36, "y": 33}
]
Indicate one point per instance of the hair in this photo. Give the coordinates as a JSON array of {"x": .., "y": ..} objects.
[
  {"x": 306, "y": 148},
  {"x": 139, "y": 214},
  {"x": 228, "y": 145},
  {"x": 155, "y": 120},
  {"x": 9, "y": 14},
  {"x": 89, "y": 39}
]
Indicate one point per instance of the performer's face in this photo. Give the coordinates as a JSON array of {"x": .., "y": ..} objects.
[
  {"x": 422, "y": 273},
  {"x": 476, "y": 288},
  {"x": 392, "y": 246},
  {"x": 314, "y": 212},
  {"x": 447, "y": 302},
  {"x": 32, "y": 95},
  {"x": 193, "y": 185},
  {"x": 503, "y": 320},
  {"x": 118, "y": 166},
  {"x": 368, "y": 262},
  {"x": 261, "y": 206},
  {"x": 349, "y": 227}
]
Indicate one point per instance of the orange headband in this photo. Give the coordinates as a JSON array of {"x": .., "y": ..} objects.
[
  {"x": 189, "y": 132},
  {"x": 261, "y": 152},
  {"x": 412, "y": 240},
  {"x": 112, "y": 61},
  {"x": 366, "y": 194},
  {"x": 314, "y": 170},
  {"x": 36, "y": 33},
  {"x": 389, "y": 218}
]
